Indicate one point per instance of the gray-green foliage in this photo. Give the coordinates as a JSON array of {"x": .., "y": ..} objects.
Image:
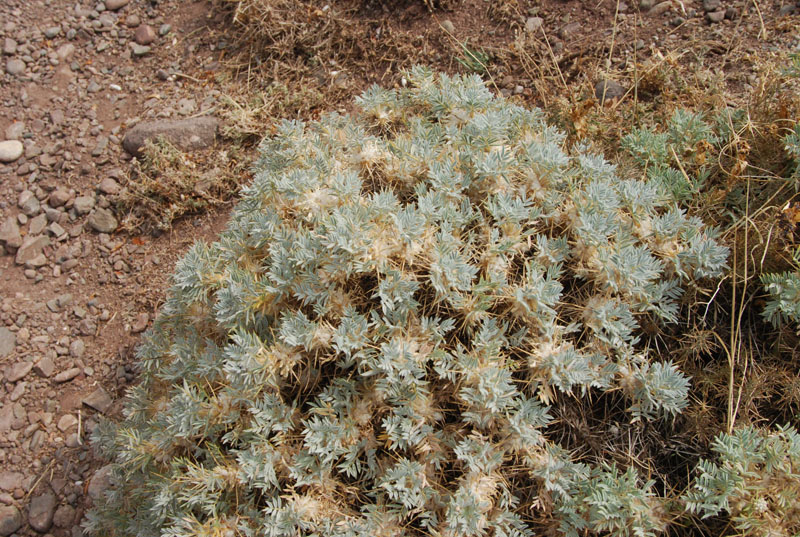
[
  {"x": 755, "y": 480},
  {"x": 372, "y": 345}
]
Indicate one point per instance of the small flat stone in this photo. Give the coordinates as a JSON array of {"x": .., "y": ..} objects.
[
  {"x": 18, "y": 371},
  {"x": 11, "y": 150},
  {"x": 448, "y": 26},
  {"x": 8, "y": 340},
  {"x": 58, "y": 197},
  {"x": 608, "y": 90},
  {"x": 15, "y": 130},
  {"x": 661, "y": 7},
  {"x": 41, "y": 511},
  {"x": 28, "y": 203},
  {"x": 98, "y": 400},
  {"x": 715, "y": 16},
  {"x": 109, "y": 186},
  {"x": 65, "y": 51},
  {"x": 66, "y": 376},
  {"x": 66, "y": 422},
  {"x": 10, "y": 520}
]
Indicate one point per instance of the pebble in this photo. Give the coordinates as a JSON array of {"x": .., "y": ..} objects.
[
  {"x": 448, "y": 26},
  {"x": 65, "y": 51},
  {"x": 11, "y": 150},
  {"x": 83, "y": 204},
  {"x": 28, "y": 203},
  {"x": 661, "y": 7},
  {"x": 608, "y": 90},
  {"x": 140, "y": 324},
  {"x": 8, "y": 340},
  {"x": 9, "y": 46},
  {"x": 113, "y": 5},
  {"x": 140, "y": 50},
  {"x": 102, "y": 221},
  {"x": 133, "y": 20},
  {"x": 66, "y": 376},
  {"x": 15, "y": 66},
  {"x": 10, "y": 481},
  {"x": 711, "y": 5},
  {"x": 52, "y": 32},
  {"x": 715, "y": 16},
  {"x": 41, "y": 511},
  {"x": 76, "y": 348},
  {"x": 144, "y": 34},
  {"x": 164, "y": 29},
  {"x": 10, "y": 520},
  {"x": 58, "y": 197},
  {"x": 646, "y": 5}
]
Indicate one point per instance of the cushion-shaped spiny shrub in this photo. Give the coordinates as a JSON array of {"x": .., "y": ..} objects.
[
  {"x": 755, "y": 480},
  {"x": 371, "y": 347}
]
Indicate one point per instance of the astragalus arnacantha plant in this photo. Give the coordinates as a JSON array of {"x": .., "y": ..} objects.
[{"x": 372, "y": 345}]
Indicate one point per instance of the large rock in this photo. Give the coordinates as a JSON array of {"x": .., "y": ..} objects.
[
  {"x": 186, "y": 134},
  {"x": 10, "y": 520},
  {"x": 31, "y": 247},
  {"x": 41, "y": 511}
]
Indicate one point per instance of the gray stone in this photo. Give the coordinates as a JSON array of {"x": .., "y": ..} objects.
[
  {"x": 83, "y": 204},
  {"x": 140, "y": 324},
  {"x": 65, "y": 51},
  {"x": 140, "y": 50},
  {"x": 41, "y": 511},
  {"x": 64, "y": 516},
  {"x": 98, "y": 400},
  {"x": 646, "y": 5},
  {"x": 9, "y": 46},
  {"x": 100, "y": 482},
  {"x": 109, "y": 186},
  {"x": 186, "y": 106},
  {"x": 44, "y": 367},
  {"x": 28, "y": 203},
  {"x": 18, "y": 371},
  {"x": 11, "y": 480},
  {"x": 37, "y": 224},
  {"x": 10, "y": 520},
  {"x": 76, "y": 348},
  {"x": 715, "y": 16},
  {"x": 15, "y": 66},
  {"x": 10, "y": 150},
  {"x": 66, "y": 376},
  {"x": 711, "y": 5},
  {"x": 113, "y": 5},
  {"x": 661, "y": 7},
  {"x": 67, "y": 422},
  {"x": 102, "y": 221},
  {"x": 164, "y": 29},
  {"x": 10, "y": 234},
  {"x": 608, "y": 90},
  {"x": 144, "y": 34},
  {"x": 533, "y": 24},
  {"x": 32, "y": 247},
  {"x": 15, "y": 130},
  {"x": 186, "y": 134},
  {"x": 8, "y": 340},
  {"x": 448, "y": 26},
  {"x": 52, "y": 31},
  {"x": 59, "y": 197}
]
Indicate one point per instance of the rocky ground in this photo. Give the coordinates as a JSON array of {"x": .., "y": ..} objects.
[{"x": 74, "y": 292}]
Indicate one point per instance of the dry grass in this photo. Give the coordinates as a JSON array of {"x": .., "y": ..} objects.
[{"x": 166, "y": 184}]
